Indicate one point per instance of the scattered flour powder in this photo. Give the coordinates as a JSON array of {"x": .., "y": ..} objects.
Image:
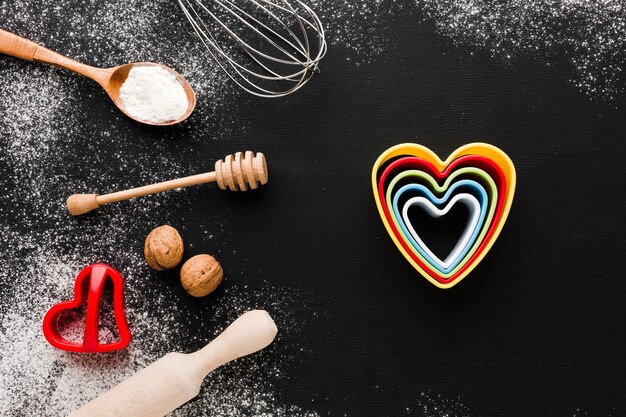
[
  {"x": 43, "y": 112},
  {"x": 153, "y": 94},
  {"x": 586, "y": 37},
  {"x": 41, "y": 124}
]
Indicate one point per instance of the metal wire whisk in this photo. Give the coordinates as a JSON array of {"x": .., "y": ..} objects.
[{"x": 268, "y": 48}]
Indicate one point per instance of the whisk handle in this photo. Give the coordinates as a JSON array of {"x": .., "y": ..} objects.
[{"x": 16, "y": 46}]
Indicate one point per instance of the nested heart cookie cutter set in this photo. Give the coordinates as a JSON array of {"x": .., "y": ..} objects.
[{"x": 478, "y": 175}]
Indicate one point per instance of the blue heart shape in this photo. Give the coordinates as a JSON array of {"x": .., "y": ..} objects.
[{"x": 472, "y": 187}]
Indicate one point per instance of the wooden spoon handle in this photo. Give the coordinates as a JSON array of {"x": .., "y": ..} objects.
[
  {"x": 11, "y": 44},
  {"x": 16, "y": 46}
]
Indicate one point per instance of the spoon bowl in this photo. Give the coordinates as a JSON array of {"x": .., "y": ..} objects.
[
  {"x": 118, "y": 76},
  {"x": 110, "y": 79}
]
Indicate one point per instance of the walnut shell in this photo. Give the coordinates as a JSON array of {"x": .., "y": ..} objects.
[
  {"x": 163, "y": 248},
  {"x": 201, "y": 275}
]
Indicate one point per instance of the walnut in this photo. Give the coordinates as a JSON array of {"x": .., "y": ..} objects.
[
  {"x": 163, "y": 248},
  {"x": 201, "y": 275}
]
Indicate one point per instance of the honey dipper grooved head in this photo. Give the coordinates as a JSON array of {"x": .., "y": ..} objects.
[{"x": 240, "y": 171}]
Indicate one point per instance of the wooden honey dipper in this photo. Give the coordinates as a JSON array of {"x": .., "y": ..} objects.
[{"x": 237, "y": 172}]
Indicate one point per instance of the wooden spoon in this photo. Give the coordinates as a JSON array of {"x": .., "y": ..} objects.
[{"x": 111, "y": 79}]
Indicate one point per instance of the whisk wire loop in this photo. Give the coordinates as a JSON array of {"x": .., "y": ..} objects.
[{"x": 284, "y": 34}]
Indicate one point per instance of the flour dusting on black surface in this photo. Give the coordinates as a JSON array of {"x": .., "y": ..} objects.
[
  {"x": 590, "y": 36},
  {"x": 429, "y": 404},
  {"x": 46, "y": 155},
  {"x": 60, "y": 135},
  {"x": 587, "y": 38}
]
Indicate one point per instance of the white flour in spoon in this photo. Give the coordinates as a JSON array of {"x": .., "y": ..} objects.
[{"x": 153, "y": 94}]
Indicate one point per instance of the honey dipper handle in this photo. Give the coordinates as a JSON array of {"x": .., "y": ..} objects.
[
  {"x": 16, "y": 46},
  {"x": 155, "y": 188}
]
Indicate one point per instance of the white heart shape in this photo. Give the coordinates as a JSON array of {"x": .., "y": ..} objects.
[{"x": 473, "y": 206}]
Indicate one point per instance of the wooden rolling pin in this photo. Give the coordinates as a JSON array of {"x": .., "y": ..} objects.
[
  {"x": 236, "y": 172},
  {"x": 176, "y": 378}
]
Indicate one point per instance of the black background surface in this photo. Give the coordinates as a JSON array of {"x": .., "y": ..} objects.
[{"x": 538, "y": 329}]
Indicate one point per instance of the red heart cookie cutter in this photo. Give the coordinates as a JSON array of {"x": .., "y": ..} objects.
[{"x": 88, "y": 290}]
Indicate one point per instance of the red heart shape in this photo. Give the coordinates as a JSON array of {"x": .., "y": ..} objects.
[{"x": 88, "y": 290}]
